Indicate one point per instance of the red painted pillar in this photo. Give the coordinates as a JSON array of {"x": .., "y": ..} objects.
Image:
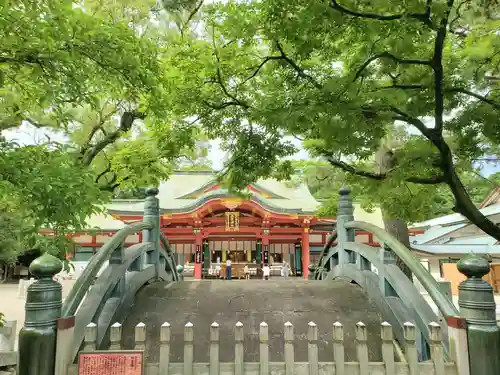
[
  {"x": 305, "y": 253},
  {"x": 198, "y": 255}
]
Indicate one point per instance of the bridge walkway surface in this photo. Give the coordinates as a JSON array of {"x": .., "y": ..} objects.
[{"x": 252, "y": 302}]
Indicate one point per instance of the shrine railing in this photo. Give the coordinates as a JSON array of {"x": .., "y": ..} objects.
[
  {"x": 375, "y": 270},
  {"x": 391, "y": 363},
  {"x": 100, "y": 298}
]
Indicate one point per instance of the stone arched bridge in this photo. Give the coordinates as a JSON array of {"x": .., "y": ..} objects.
[{"x": 140, "y": 301}]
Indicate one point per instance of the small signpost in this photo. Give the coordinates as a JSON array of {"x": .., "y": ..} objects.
[
  {"x": 266, "y": 254},
  {"x": 197, "y": 255},
  {"x": 120, "y": 362}
]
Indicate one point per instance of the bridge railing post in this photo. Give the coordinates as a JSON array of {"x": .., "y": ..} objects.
[
  {"x": 152, "y": 215},
  {"x": 477, "y": 305},
  {"x": 345, "y": 213},
  {"x": 38, "y": 337},
  {"x": 312, "y": 272},
  {"x": 180, "y": 272}
]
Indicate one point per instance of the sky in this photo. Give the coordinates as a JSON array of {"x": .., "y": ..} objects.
[{"x": 27, "y": 134}]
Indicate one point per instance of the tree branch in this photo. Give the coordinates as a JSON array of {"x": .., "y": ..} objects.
[
  {"x": 126, "y": 121},
  {"x": 97, "y": 127},
  {"x": 382, "y": 176},
  {"x": 415, "y": 121},
  {"x": 190, "y": 17},
  {"x": 222, "y": 105},
  {"x": 424, "y": 17},
  {"x": 392, "y": 57},
  {"x": 297, "y": 68},
  {"x": 437, "y": 66},
  {"x": 25, "y": 59},
  {"x": 401, "y": 86},
  {"x": 260, "y": 66},
  {"x": 103, "y": 173},
  {"x": 482, "y": 98},
  {"x": 218, "y": 79},
  {"x": 35, "y": 123},
  {"x": 458, "y": 30},
  {"x": 114, "y": 186}
]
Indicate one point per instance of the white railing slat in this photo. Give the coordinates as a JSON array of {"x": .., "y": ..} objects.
[
  {"x": 188, "y": 348},
  {"x": 338, "y": 348},
  {"x": 437, "y": 354},
  {"x": 411, "y": 352},
  {"x": 362, "y": 348},
  {"x": 90, "y": 337},
  {"x": 264, "y": 348},
  {"x": 289, "y": 349},
  {"x": 312, "y": 349},
  {"x": 387, "y": 348},
  {"x": 140, "y": 336},
  {"x": 238, "y": 349},
  {"x": 214, "y": 349},
  {"x": 115, "y": 336},
  {"x": 164, "y": 348}
]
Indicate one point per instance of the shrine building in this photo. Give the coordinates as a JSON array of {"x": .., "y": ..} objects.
[{"x": 273, "y": 222}]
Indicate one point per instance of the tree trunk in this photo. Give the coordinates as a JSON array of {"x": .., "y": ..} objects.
[
  {"x": 398, "y": 229},
  {"x": 393, "y": 225},
  {"x": 465, "y": 206},
  {"x": 463, "y": 202}
]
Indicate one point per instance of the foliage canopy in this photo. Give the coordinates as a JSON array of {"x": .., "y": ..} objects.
[
  {"x": 340, "y": 75},
  {"x": 91, "y": 72}
]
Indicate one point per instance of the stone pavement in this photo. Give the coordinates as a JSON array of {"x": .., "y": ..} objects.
[{"x": 252, "y": 302}]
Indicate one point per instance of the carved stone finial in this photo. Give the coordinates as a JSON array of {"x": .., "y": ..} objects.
[
  {"x": 344, "y": 191},
  {"x": 476, "y": 300},
  {"x": 45, "y": 266},
  {"x": 38, "y": 337},
  {"x": 345, "y": 207},
  {"x": 152, "y": 191},
  {"x": 473, "y": 266}
]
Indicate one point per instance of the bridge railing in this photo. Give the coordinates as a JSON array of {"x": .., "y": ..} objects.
[
  {"x": 338, "y": 364},
  {"x": 375, "y": 270},
  {"x": 99, "y": 298}
]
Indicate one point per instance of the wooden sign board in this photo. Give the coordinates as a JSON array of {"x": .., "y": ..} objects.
[
  {"x": 118, "y": 362},
  {"x": 197, "y": 256},
  {"x": 266, "y": 254}
]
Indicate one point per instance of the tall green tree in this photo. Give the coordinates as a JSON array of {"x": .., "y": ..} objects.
[
  {"x": 324, "y": 181},
  {"x": 92, "y": 73},
  {"x": 339, "y": 74}
]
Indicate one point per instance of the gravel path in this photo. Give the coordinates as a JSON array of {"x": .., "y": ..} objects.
[{"x": 12, "y": 306}]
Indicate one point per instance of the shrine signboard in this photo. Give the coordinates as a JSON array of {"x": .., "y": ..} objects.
[
  {"x": 232, "y": 221},
  {"x": 120, "y": 362},
  {"x": 197, "y": 257},
  {"x": 266, "y": 254}
]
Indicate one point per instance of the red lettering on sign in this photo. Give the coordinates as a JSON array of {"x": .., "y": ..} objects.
[{"x": 111, "y": 363}]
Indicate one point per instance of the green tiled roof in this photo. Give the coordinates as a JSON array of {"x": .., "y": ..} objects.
[{"x": 173, "y": 193}]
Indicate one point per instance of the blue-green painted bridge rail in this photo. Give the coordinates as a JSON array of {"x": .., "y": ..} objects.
[{"x": 352, "y": 282}]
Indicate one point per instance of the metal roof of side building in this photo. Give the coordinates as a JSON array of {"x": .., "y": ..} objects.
[
  {"x": 454, "y": 234},
  {"x": 456, "y": 218}
]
